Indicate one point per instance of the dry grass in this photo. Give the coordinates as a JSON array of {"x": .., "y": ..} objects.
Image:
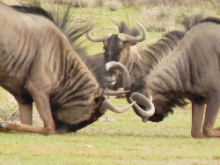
[
  {"x": 74, "y": 3},
  {"x": 176, "y": 3},
  {"x": 113, "y": 5},
  {"x": 163, "y": 18},
  {"x": 9, "y": 110}
]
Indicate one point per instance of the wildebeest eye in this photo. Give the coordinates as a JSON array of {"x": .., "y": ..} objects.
[
  {"x": 105, "y": 46},
  {"x": 120, "y": 46},
  {"x": 97, "y": 100}
]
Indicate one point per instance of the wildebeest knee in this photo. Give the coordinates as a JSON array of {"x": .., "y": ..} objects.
[
  {"x": 194, "y": 134},
  {"x": 197, "y": 134},
  {"x": 208, "y": 132}
]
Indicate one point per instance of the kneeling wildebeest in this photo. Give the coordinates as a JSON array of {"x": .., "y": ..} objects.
[
  {"x": 38, "y": 64},
  {"x": 191, "y": 71}
]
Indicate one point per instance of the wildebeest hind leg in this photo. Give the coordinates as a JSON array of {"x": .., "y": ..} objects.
[
  {"x": 197, "y": 120},
  {"x": 25, "y": 111},
  {"x": 212, "y": 109},
  {"x": 17, "y": 127}
]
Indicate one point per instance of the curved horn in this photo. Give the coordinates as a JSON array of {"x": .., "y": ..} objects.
[
  {"x": 106, "y": 104},
  {"x": 100, "y": 39},
  {"x": 114, "y": 93},
  {"x": 125, "y": 37},
  {"x": 141, "y": 99},
  {"x": 126, "y": 77}
]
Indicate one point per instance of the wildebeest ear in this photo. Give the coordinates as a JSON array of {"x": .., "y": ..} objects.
[
  {"x": 137, "y": 71},
  {"x": 98, "y": 92}
]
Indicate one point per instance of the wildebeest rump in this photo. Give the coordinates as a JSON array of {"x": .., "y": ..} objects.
[
  {"x": 118, "y": 47},
  {"x": 191, "y": 71},
  {"x": 38, "y": 64}
]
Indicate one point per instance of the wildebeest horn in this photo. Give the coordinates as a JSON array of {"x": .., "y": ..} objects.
[
  {"x": 124, "y": 37},
  {"x": 106, "y": 104},
  {"x": 114, "y": 93},
  {"x": 126, "y": 77},
  {"x": 141, "y": 99},
  {"x": 100, "y": 39}
]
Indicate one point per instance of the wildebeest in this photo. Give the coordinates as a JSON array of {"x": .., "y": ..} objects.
[
  {"x": 191, "y": 71},
  {"x": 38, "y": 64},
  {"x": 118, "y": 47}
]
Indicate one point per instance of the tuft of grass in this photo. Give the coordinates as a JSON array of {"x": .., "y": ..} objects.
[{"x": 9, "y": 111}]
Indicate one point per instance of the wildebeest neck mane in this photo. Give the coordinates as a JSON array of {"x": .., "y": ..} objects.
[
  {"x": 154, "y": 53},
  {"x": 123, "y": 28},
  {"x": 71, "y": 31}
]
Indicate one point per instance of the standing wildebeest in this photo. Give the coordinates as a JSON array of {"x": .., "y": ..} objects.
[
  {"x": 118, "y": 47},
  {"x": 38, "y": 64},
  {"x": 191, "y": 71}
]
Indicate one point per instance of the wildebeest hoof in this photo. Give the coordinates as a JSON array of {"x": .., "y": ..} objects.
[
  {"x": 17, "y": 123},
  {"x": 6, "y": 123},
  {"x": 3, "y": 124}
]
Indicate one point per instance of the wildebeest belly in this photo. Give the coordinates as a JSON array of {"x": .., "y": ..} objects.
[{"x": 17, "y": 90}]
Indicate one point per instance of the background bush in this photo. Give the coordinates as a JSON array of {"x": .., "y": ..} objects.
[
  {"x": 75, "y": 3},
  {"x": 113, "y": 5}
]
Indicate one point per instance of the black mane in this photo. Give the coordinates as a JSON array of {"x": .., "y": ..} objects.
[
  {"x": 123, "y": 28},
  {"x": 211, "y": 19},
  {"x": 153, "y": 54},
  {"x": 34, "y": 10},
  {"x": 72, "y": 31}
]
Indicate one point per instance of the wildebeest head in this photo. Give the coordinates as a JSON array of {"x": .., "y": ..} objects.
[
  {"x": 118, "y": 47},
  {"x": 68, "y": 119},
  {"x": 115, "y": 45},
  {"x": 144, "y": 106}
]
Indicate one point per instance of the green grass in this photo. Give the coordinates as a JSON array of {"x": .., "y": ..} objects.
[{"x": 126, "y": 141}]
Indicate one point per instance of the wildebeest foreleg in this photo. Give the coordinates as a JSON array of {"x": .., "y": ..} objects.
[
  {"x": 197, "y": 120},
  {"x": 212, "y": 109},
  {"x": 17, "y": 127},
  {"x": 25, "y": 111},
  {"x": 43, "y": 107}
]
